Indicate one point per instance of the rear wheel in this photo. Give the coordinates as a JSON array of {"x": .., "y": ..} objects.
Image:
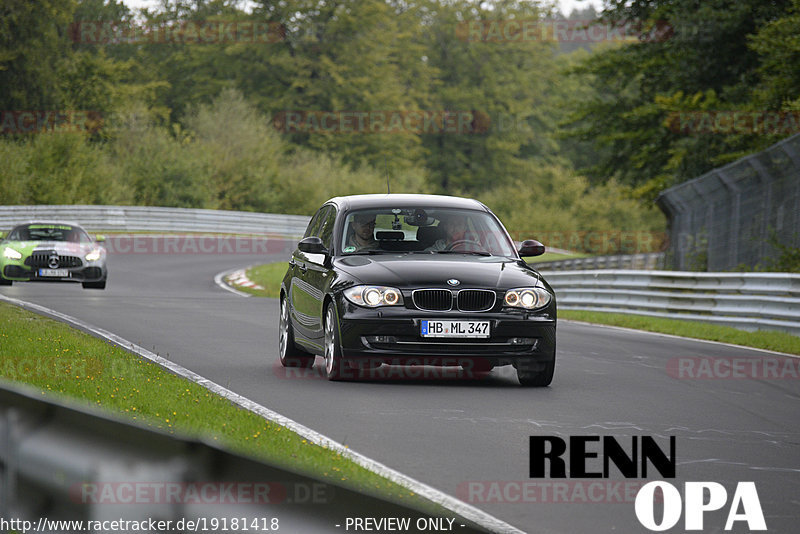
[
  {"x": 290, "y": 355},
  {"x": 333, "y": 351}
]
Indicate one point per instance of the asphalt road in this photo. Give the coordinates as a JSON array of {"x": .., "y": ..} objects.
[{"x": 471, "y": 438}]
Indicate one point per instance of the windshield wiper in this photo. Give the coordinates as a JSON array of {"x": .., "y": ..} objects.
[{"x": 366, "y": 252}]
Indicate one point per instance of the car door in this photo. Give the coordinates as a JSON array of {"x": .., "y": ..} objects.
[
  {"x": 302, "y": 295},
  {"x": 318, "y": 272}
]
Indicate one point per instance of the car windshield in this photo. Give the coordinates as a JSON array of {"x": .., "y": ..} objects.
[
  {"x": 429, "y": 230},
  {"x": 49, "y": 232}
]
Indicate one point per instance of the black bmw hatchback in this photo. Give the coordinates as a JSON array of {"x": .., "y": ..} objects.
[{"x": 415, "y": 280}]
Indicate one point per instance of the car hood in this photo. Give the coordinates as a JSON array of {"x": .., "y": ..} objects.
[
  {"x": 434, "y": 271},
  {"x": 62, "y": 248}
]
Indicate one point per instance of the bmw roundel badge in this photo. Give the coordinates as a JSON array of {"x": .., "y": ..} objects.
[{"x": 454, "y": 282}]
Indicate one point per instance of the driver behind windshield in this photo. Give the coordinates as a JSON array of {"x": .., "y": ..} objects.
[
  {"x": 363, "y": 236},
  {"x": 455, "y": 231}
]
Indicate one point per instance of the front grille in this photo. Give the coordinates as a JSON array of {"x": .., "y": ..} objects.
[
  {"x": 41, "y": 260},
  {"x": 476, "y": 300},
  {"x": 433, "y": 299}
]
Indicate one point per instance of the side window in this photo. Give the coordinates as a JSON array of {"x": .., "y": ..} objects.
[
  {"x": 316, "y": 220},
  {"x": 326, "y": 230}
]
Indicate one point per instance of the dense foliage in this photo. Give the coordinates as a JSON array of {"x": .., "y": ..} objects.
[
  {"x": 661, "y": 111},
  {"x": 166, "y": 118}
]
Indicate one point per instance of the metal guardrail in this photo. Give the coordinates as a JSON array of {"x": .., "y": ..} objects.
[
  {"x": 64, "y": 462},
  {"x": 647, "y": 261},
  {"x": 749, "y": 301},
  {"x": 158, "y": 219}
]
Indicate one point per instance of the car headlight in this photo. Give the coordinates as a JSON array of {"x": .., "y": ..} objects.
[
  {"x": 11, "y": 254},
  {"x": 93, "y": 255},
  {"x": 374, "y": 296},
  {"x": 529, "y": 298}
]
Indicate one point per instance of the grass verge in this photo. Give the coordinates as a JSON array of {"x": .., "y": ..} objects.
[
  {"x": 268, "y": 276},
  {"x": 62, "y": 361},
  {"x": 762, "y": 339}
]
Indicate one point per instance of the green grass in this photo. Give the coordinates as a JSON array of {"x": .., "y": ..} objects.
[
  {"x": 268, "y": 276},
  {"x": 762, "y": 339},
  {"x": 62, "y": 361}
]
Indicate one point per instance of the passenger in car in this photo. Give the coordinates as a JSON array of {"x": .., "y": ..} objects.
[{"x": 455, "y": 230}]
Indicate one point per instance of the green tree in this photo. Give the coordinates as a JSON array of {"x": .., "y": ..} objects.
[
  {"x": 32, "y": 46},
  {"x": 704, "y": 63},
  {"x": 508, "y": 83},
  {"x": 778, "y": 46}
]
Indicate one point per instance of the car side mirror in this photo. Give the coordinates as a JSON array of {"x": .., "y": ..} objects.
[
  {"x": 531, "y": 247},
  {"x": 100, "y": 238},
  {"x": 312, "y": 245}
]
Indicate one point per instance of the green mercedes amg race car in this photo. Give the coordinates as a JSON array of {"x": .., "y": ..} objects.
[{"x": 52, "y": 252}]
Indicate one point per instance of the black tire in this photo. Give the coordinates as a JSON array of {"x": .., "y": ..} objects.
[
  {"x": 334, "y": 367},
  {"x": 4, "y": 282},
  {"x": 536, "y": 374},
  {"x": 288, "y": 352},
  {"x": 94, "y": 285}
]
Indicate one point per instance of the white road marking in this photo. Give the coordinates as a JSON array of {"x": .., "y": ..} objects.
[{"x": 219, "y": 279}]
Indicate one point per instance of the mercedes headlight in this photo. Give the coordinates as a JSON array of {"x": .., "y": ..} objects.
[
  {"x": 529, "y": 298},
  {"x": 93, "y": 255},
  {"x": 11, "y": 254},
  {"x": 374, "y": 296}
]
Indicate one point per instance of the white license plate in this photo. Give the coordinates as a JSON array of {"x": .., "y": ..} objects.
[
  {"x": 61, "y": 273},
  {"x": 469, "y": 329}
]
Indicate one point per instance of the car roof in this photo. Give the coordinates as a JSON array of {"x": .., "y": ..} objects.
[{"x": 389, "y": 200}]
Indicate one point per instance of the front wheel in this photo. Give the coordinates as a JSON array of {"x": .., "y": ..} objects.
[
  {"x": 4, "y": 282},
  {"x": 94, "y": 285},
  {"x": 333, "y": 350},
  {"x": 290, "y": 355},
  {"x": 536, "y": 374}
]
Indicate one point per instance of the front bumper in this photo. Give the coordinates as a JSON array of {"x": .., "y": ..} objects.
[
  {"x": 392, "y": 335},
  {"x": 22, "y": 273}
]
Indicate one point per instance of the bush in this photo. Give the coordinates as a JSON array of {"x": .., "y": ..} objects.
[{"x": 561, "y": 209}]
